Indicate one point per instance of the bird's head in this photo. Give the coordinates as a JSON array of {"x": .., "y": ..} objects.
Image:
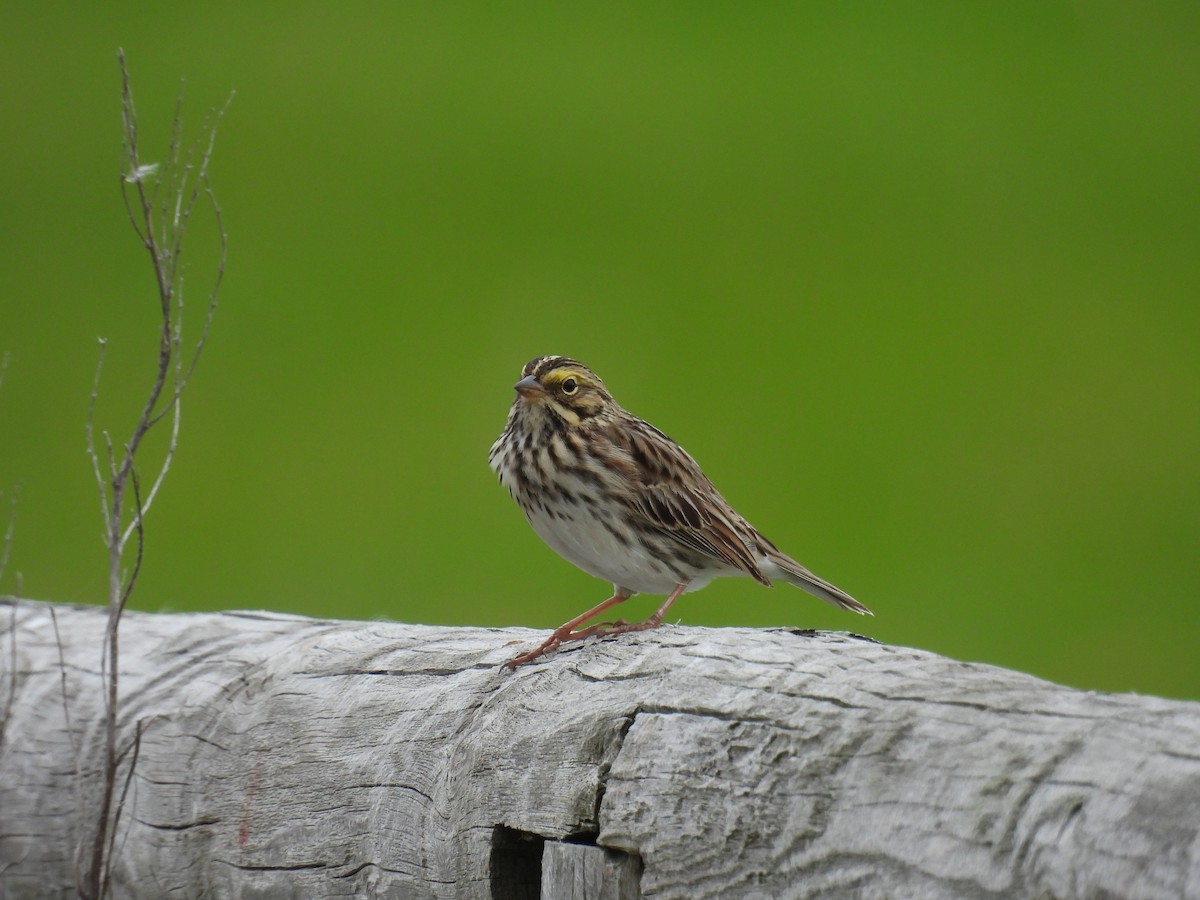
[{"x": 564, "y": 388}]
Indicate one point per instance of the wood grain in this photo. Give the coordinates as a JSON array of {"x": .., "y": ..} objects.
[{"x": 291, "y": 757}]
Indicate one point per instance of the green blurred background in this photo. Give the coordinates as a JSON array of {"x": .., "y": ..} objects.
[{"x": 918, "y": 284}]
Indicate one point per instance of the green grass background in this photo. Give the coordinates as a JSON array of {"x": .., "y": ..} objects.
[{"x": 918, "y": 284}]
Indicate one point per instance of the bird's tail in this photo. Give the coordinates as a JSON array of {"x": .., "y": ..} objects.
[{"x": 781, "y": 565}]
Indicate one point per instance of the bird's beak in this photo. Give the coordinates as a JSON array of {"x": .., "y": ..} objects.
[{"x": 528, "y": 387}]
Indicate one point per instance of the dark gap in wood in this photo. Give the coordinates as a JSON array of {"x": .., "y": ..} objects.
[
  {"x": 516, "y": 864},
  {"x": 587, "y": 838}
]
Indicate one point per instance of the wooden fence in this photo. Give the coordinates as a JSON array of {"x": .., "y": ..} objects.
[{"x": 281, "y": 756}]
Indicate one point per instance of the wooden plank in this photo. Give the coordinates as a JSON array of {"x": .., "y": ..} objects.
[
  {"x": 285, "y": 756},
  {"x": 584, "y": 872}
]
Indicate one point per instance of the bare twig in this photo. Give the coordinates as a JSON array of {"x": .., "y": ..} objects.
[
  {"x": 89, "y": 429},
  {"x": 186, "y": 183},
  {"x": 70, "y": 729},
  {"x": 133, "y": 749},
  {"x": 160, "y": 199},
  {"x": 6, "y": 547},
  {"x": 139, "y": 528},
  {"x": 11, "y": 694},
  {"x": 102, "y": 848},
  {"x": 5, "y": 551},
  {"x": 62, "y": 670},
  {"x": 10, "y": 528}
]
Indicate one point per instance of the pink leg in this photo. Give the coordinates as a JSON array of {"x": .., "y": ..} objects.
[
  {"x": 653, "y": 622},
  {"x": 567, "y": 632}
]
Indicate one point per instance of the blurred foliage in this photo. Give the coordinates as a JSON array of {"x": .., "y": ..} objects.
[{"x": 918, "y": 284}]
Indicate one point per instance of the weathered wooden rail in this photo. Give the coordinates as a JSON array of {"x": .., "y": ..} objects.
[{"x": 292, "y": 757}]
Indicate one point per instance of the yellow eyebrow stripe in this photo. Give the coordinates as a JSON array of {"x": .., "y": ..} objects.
[{"x": 558, "y": 376}]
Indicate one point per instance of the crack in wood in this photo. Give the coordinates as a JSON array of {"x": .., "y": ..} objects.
[{"x": 178, "y": 826}]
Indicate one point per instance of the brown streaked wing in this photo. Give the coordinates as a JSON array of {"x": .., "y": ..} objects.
[{"x": 678, "y": 499}]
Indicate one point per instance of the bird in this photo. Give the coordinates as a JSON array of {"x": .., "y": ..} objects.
[{"x": 616, "y": 497}]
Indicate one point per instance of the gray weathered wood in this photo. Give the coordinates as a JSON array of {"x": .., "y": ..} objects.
[
  {"x": 580, "y": 872},
  {"x": 292, "y": 757}
]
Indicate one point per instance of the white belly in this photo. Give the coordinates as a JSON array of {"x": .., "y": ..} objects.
[
  {"x": 579, "y": 535},
  {"x": 590, "y": 534}
]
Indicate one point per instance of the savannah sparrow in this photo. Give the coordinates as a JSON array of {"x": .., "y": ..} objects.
[{"x": 622, "y": 501}]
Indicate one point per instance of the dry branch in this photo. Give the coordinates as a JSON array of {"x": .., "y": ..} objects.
[
  {"x": 160, "y": 199},
  {"x": 283, "y": 756}
]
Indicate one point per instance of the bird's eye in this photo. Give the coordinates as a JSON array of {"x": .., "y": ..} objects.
[{"x": 569, "y": 386}]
